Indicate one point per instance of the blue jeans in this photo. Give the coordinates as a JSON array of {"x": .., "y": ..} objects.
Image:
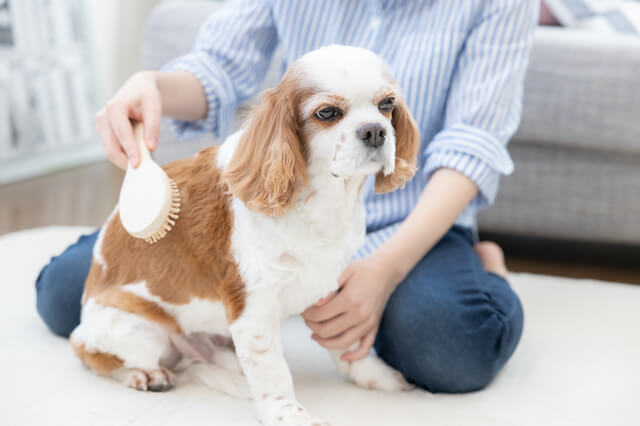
[{"x": 450, "y": 326}]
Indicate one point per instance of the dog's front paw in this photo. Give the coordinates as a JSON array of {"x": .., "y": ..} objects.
[
  {"x": 279, "y": 411},
  {"x": 389, "y": 381},
  {"x": 372, "y": 373}
]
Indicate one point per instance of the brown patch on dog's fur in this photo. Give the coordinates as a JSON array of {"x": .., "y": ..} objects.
[
  {"x": 268, "y": 167},
  {"x": 133, "y": 304},
  {"x": 101, "y": 363},
  {"x": 194, "y": 259}
]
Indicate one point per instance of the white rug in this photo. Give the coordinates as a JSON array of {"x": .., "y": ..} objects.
[{"x": 578, "y": 364}]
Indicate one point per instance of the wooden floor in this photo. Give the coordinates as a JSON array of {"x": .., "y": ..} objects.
[
  {"x": 86, "y": 196},
  {"x": 81, "y": 196}
]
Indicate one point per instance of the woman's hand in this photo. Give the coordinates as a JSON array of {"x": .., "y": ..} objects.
[
  {"x": 353, "y": 313},
  {"x": 139, "y": 99}
]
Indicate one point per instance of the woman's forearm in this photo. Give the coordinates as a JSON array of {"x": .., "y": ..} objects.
[
  {"x": 447, "y": 193},
  {"x": 183, "y": 97}
]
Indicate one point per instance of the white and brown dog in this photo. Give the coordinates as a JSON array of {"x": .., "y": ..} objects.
[{"x": 269, "y": 221}]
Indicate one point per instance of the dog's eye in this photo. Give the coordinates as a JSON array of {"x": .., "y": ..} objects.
[
  {"x": 386, "y": 105},
  {"x": 328, "y": 113}
]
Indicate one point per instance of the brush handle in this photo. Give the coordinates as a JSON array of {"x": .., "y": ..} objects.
[{"x": 138, "y": 134}]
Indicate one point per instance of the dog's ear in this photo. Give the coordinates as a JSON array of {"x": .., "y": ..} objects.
[
  {"x": 268, "y": 166},
  {"x": 407, "y": 145}
]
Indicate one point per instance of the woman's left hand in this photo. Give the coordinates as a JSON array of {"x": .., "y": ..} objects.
[{"x": 353, "y": 313}]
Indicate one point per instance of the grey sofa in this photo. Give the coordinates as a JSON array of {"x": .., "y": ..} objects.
[{"x": 577, "y": 152}]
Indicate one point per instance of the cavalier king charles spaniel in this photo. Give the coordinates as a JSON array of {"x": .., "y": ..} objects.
[{"x": 269, "y": 221}]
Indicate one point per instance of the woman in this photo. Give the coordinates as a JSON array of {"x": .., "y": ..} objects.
[{"x": 435, "y": 306}]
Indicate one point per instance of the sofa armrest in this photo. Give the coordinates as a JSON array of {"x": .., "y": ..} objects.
[{"x": 581, "y": 90}]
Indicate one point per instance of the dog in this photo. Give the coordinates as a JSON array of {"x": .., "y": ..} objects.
[{"x": 269, "y": 221}]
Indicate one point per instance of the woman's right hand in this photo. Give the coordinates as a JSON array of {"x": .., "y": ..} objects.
[{"x": 138, "y": 99}]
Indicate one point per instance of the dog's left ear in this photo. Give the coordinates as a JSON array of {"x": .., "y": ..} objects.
[
  {"x": 268, "y": 167},
  {"x": 407, "y": 146}
]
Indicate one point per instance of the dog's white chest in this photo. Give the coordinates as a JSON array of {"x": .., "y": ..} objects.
[
  {"x": 315, "y": 276},
  {"x": 301, "y": 258}
]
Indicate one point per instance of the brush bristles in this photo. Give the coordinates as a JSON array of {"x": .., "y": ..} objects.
[{"x": 172, "y": 217}]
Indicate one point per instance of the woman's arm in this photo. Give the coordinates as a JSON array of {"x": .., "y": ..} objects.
[
  {"x": 447, "y": 193},
  {"x": 367, "y": 283},
  {"x": 182, "y": 95}
]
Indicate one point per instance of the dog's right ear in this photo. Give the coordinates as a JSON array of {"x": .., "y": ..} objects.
[
  {"x": 407, "y": 146},
  {"x": 268, "y": 167}
]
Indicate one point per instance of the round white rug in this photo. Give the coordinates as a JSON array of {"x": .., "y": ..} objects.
[{"x": 578, "y": 364}]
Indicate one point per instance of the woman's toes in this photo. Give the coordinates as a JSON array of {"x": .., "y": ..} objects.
[{"x": 492, "y": 257}]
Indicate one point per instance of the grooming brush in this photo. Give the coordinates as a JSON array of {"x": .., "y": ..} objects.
[{"x": 149, "y": 200}]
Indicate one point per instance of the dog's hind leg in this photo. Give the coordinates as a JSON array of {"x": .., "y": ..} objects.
[
  {"x": 125, "y": 346},
  {"x": 214, "y": 364},
  {"x": 214, "y": 376}
]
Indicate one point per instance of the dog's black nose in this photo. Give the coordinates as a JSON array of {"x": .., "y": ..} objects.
[{"x": 372, "y": 134}]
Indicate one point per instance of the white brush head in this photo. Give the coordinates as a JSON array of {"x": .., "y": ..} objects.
[{"x": 148, "y": 198}]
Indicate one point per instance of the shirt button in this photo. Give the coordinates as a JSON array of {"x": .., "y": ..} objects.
[{"x": 375, "y": 23}]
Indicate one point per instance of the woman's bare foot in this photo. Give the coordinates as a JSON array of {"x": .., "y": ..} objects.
[{"x": 492, "y": 257}]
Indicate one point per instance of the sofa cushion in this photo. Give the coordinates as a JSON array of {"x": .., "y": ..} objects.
[
  {"x": 596, "y": 15},
  {"x": 582, "y": 90}
]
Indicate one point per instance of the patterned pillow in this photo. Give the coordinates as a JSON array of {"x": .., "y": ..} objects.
[{"x": 612, "y": 16}]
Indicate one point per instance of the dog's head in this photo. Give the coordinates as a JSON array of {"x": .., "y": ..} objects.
[{"x": 337, "y": 112}]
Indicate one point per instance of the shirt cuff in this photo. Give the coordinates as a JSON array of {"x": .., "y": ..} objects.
[
  {"x": 219, "y": 93},
  {"x": 474, "y": 153},
  {"x": 485, "y": 178}
]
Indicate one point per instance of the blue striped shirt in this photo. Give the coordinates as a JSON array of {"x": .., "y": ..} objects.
[{"x": 461, "y": 64}]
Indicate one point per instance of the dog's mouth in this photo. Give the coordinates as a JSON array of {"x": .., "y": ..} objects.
[
  {"x": 369, "y": 161},
  {"x": 372, "y": 166},
  {"x": 375, "y": 155}
]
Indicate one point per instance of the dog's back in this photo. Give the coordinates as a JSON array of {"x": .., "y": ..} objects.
[{"x": 150, "y": 287}]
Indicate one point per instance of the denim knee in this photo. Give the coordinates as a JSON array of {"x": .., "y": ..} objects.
[
  {"x": 60, "y": 284},
  {"x": 53, "y": 305},
  {"x": 434, "y": 348}
]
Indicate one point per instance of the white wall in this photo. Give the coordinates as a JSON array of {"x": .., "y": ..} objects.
[{"x": 117, "y": 35}]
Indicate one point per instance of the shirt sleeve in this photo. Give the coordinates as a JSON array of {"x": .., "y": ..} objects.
[
  {"x": 230, "y": 58},
  {"x": 484, "y": 105}
]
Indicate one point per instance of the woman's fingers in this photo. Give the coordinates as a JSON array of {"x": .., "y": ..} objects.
[
  {"x": 346, "y": 339},
  {"x": 325, "y": 299},
  {"x": 138, "y": 99},
  {"x": 335, "y": 326},
  {"x": 151, "y": 116},
  {"x": 330, "y": 309},
  {"x": 110, "y": 144},
  {"x": 118, "y": 116},
  {"x": 363, "y": 350}
]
